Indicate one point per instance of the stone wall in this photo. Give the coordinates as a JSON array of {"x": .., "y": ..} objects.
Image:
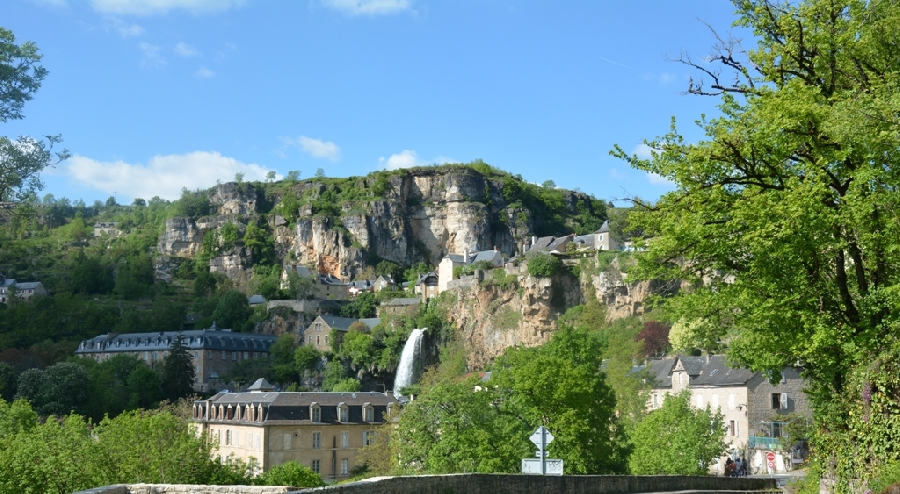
[
  {"x": 487, "y": 483},
  {"x": 481, "y": 483}
]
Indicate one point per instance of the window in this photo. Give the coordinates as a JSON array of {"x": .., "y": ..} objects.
[
  {"x": 317, "y": 440},
  {"x": 310, "y": 339},
  {"x": 733, "y": 428},
  {"x": 258, "y": 441},
  {"x": 233, "y": 355},
  {"x": 228, "y": 437},
  {"x": 345, "y": 440},
  {"x": 316, "y": 413},
  {"x": 224, "y": 355},
  {"x": 699, "y": 401},
  {"x": 777, "y": 429},
  {"x": 344, "y": 465},
  {"x": 249, "y": 440},
  {"x": 368, "y": 437},
  {"x": 369, "y": 413},
  {"x": 714, "y": 402},
  {"x": 779, "y": 401},
  {"x": 655, "y": 400},
  {"x": 345, "y": 414},
  {"x": 196, "y": 353},
  {"x": 317, "y": 340},
  {"x": 318, "y": 327},
  {"x": 316, "y": 464}
]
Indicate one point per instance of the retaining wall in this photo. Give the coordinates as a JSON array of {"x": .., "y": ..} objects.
[{"x": 486, "y": 483}]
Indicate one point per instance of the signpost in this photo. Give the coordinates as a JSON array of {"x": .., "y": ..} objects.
[
  {"x": 542, "y": 465},
  {"x": 770, "y": 457}
]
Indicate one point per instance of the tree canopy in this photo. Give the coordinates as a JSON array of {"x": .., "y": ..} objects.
[{"x": 784, "y": 216}]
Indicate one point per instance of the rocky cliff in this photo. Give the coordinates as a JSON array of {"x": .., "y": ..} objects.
[{"x": 408, "y": 216}]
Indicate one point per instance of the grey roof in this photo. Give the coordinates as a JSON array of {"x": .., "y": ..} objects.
[
  {"x": 485, "y": 255},
  {"x": 303, "y": 271},
  {"x": 256, "y": 299},
  {"x": 7, "y": 282},
  {"x": 718, "y": 373},
  {"x": 661, "y": 371},
  {"x": 585, "y": 240},
  {"x": 457, "y": 258},
  {"x": 29, "y": 285},
  {"x": 559, "y": 242},
  {"x": 362, "y": 283},
  {"x": 295, "y": 408},
  {"x": 424, "y": 277},
  {"x": 371, "y": 322},
  {"x": 328, "y": 279},
  {"x": 401, "y": 302},
  {"x": 337, "y": 322},
  {"x": 104, "y": 224},
  {"x": 604, "y": 227},
  {"x": 197, "y": 339},
  {"x": 261, "y": 385},
  {"x": 540, "y": 244},
  {"x": 692, "y": 365}
]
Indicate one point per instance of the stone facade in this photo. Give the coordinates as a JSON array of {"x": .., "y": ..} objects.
[
  {"x": 746, "y": 399},
  {"x": 320, "y": 430}
]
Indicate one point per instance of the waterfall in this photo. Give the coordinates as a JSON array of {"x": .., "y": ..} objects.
[{"x": 407, "y": 369}]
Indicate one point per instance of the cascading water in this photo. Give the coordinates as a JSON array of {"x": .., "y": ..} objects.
[{"x": 407, "y": 369}]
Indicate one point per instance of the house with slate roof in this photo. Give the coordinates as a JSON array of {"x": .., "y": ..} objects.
[
  {"x": 452, "y": 261},
  {"x": 23, "y": 290},
  {"x": 213, "y": 351},
  {"x": 317, "y": 334},
  {"x": 748, "y": 401},
  {"x": 322, "y": 431}
]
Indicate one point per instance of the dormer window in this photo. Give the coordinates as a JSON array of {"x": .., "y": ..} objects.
[
  {"x": 259, "y": 414},
  {"x": 344, "y": 412},
  {"x": 315, "y": 412},
  {"x": 368, "y": 412}
]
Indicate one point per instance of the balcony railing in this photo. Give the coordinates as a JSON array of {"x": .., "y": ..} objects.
[{"x": 761, "y": 442}]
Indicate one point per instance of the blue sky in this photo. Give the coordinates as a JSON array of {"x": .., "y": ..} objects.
[{"x": 155, "y": 95}]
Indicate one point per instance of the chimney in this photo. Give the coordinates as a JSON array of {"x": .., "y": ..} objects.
[
  {"x": 495, "y": 248},
  {"x": 533, "y": 239},
  {"x": 466, "y": 256}
]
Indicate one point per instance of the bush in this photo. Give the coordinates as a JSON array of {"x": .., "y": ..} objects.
[
  {"x": 542, "y": 265},
  {"x": 291, "y": 474}
]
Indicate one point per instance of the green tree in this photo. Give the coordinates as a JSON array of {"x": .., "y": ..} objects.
[
  {"x": 292, "y": 474},
  {"x": 364, "y": 305},
  {"x": 306, "y": 358},
  {"x": 59, "y": 390},
  {"x": 178, "y": 371},
  {"x": 348, "y": 385},
  {"x": 22, "y": 160},
  {"x": 320, "y": 173},
  {"x": 282, "y": 353},
  {"x": 89, "y": 275},
  {"x": 293, "y": 176},
  {"x": 783, "y": 215},
  {"x": 232, "y": 310},
  {"x": 677, "y": 439}
]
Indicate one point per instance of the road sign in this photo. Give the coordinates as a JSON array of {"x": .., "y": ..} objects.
[
  {"x": 541, "y": 437},
  {"x": 553, "y": 466},
  {"x": 770, "y": 456}
]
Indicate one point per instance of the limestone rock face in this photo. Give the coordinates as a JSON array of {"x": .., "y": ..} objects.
[
  {"x": 623, "y": 298},
  {"x": 490, "y": 319},
  {"x": 234, "y": 198},
  {"x": 181, "y": 238}
]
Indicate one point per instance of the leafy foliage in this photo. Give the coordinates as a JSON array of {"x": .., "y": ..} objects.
[
  {"x": 677, "y": 439},
  {"x": 542, "y": 265},
  {"x": 292, "y": 474}
]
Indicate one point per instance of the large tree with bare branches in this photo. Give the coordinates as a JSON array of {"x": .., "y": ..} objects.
[{"x": 785, "y": 216}]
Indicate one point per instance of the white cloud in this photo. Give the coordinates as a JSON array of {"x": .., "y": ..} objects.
[
  {"x": 152, "y": 58},
  {"x": 655, "y": 179},
  {"x": 403, "y": 159},
  {"x": 368, "y": 7},
  {"x": 204, "y": 73},
  {"x": 152, "y": 7},
  {"x": 408, "y": 159},
  {"x": 122, "y": 28},
  {"x": 186, "y": 50},
  {"x": 316, "y": 148},
  {"x": 643, "y": 151},
  {"x": 162, "y": 176}
]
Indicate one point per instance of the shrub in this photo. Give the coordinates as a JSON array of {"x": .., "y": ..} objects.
[
  {"x": 542, "y": 265},
  {"x": 291, "y": 474}
]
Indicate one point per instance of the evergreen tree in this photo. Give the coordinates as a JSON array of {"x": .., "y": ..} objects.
[{"x": 178, "y": 372}]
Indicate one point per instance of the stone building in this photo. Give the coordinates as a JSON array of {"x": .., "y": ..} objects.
[
  {"x": 318, "y": 332},
  {"x": 23, "y": 290},
  {"x": 452, "y": 261},
  {"x": 750, "y": 404},
  {"x": 321, "y": 430},
  {"x": 105, "y": 227},
  {"x": 213, "y": 351}
]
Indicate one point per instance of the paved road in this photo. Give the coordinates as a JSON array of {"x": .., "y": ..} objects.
[{"x": 781, "y": 479}]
